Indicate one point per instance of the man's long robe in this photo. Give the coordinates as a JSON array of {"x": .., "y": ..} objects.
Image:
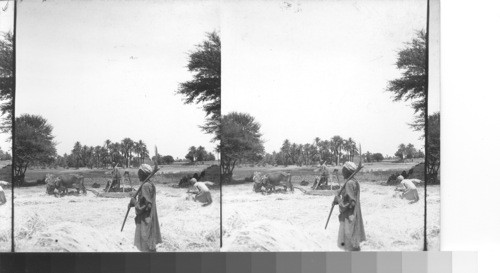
[
  {"x": 351, "y": 230},
  {"x": 147, "y": 229}
]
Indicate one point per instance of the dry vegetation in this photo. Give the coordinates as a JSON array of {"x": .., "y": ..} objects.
[
  {"x": 295, "y": 221},
  {"x": 251, "y": 222},
  {"x": 5, "y": 222},
  {"x": 5, "y": 209},
  {"x": 90, "y": 223}
]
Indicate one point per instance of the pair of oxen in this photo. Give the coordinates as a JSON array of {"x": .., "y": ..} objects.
[
  {"x": 64, "y": 182},
  {"x": 266, "y": 183}
]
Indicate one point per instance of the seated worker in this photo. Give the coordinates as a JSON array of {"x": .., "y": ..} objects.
[
  {"x": 409, "y": 190},
  {"x": 322, "y": 179},
  {"x": 202, "y": 192}
]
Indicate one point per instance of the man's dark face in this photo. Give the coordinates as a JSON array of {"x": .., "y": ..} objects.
[
  {"x": 346, "y": 173},
  {"x": 142, "y": 175}
]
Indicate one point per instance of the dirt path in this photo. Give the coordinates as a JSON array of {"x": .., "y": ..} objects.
[
  {"x": 295, "y": 222},
  {"x": 90, "y": 223}
]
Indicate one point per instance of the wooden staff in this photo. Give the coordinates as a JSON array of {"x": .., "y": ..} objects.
[
  {"x": 137, "y": 192},
  {"x": 360, "y": 166}
]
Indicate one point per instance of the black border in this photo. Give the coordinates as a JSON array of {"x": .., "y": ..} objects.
[
  {"x": 426, "y": 119},
  {"x": 13, "y": 129}
]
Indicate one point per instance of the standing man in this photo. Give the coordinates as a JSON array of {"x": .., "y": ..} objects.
[
  {"x": 202, "y": 192},
  {"x": 351, "y": 230},
  {"x": 147, "y": 227}
]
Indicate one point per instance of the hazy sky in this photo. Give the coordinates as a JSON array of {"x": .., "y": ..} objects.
[
  {"x": 319, "y": 69},
  {"x": 109, "y": 69}
]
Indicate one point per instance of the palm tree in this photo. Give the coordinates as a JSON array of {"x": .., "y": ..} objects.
[
  {"x": 106, "y": 153},
  {"x": 136, "y": 149},
  {"x": 107, "y": 142},
  {"x": 141, "y": 150},
  {"x": 114, "y": 152},
  {"x": 341, "y": 148},
  {"x": 337, "y": 144},
  {"x": 127, "y": 145},
  {"x": 354, "y": 150},
  {"x": 77, "y": 153},
  {"x": 347, "y": 149},
  {"x": 317, "y": 140},
  {"x": 286, "y": 151},
  {"x": 307, "y": 154},
  {"x": 85, "y": 155},
  {"x": 101, "y": 156},
  {"x": 314, "y": 154},
  {"x": 324, "y": 151},
  {"x": 92, "y": 156},
  {"x": 350, "y": 147}
]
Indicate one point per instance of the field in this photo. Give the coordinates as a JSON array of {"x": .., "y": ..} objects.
[
  {"x": 5, "y": 209},
  {"x": 295, "y": 221},
  {"x": 88, "y": 223},
  {"x": 5, "y": 220},
  {"x": 251, "y": 222}
]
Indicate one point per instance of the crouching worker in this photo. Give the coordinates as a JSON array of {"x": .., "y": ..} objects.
[
  {"x": 202, "y": 192},
  {"x": 147, "y": 227},
  {"x": 351, "y": 230},
  {"x": 408, "y": 190}
]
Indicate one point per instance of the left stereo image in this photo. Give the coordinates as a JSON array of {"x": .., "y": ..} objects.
[{"x": 116, "y": 123}]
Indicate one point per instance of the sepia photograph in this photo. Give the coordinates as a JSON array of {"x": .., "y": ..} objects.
[
  {"x": 323, "y": 142},
  {"x": 117, "y": 126}
]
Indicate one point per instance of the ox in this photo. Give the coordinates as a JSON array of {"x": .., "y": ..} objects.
[
  {"x": 64, "y": 182},
  {"x": 70, "y": 181},
  {"x": 271, "y": 180}
]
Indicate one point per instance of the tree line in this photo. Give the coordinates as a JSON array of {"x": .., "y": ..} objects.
[
  {"x": 125, "y": 153},
  {"x": 408, "y": 152},
  {"x": 35, "y": 147},
  {"x": 5, "y": 155},
  {"x": 242, "y": 144},
  {"x": 335, "y": 150},
  {"x": 199, "y": 154}
]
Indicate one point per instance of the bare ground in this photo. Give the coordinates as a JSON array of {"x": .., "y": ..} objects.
[
  {"x": 296, "y": 221},
  {"x": 251, "y": 222},
  {"x": 88, "y": 223}
]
